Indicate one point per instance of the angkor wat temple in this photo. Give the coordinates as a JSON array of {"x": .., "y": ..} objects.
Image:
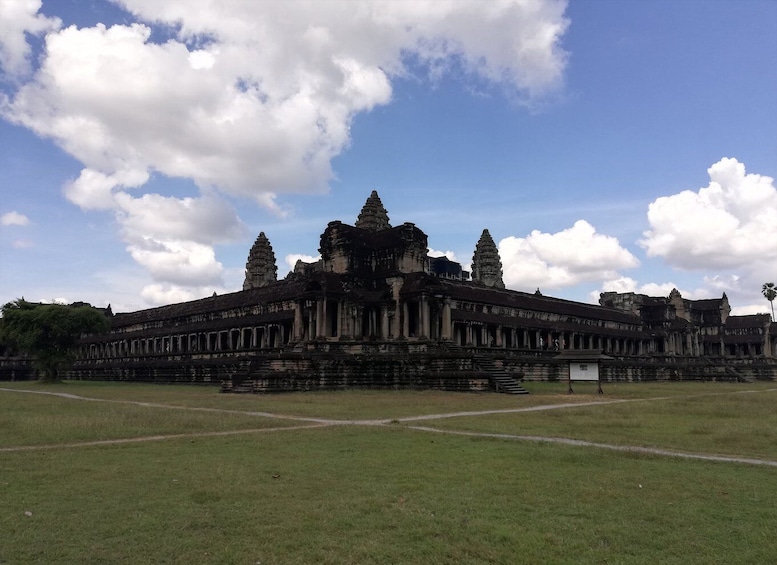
[{"x": 377, "y": 311}]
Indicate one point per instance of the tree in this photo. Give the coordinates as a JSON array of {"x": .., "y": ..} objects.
[
  {"x": 49, "y": 332},
  {"x": 769, "y": 290}
]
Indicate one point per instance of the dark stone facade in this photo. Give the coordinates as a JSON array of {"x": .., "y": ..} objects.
[{"x": 376, "y": 311}]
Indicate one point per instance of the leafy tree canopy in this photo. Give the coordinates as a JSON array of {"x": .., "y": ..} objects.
[
  {"x": 49, "y": 332},
  {"x": 769, "y": 291}
]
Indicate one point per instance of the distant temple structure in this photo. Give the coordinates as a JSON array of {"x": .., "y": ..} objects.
[{"x": 377, "y": 311}]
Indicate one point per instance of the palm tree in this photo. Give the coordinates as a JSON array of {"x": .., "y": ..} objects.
[{"x": 769, "y": 290}]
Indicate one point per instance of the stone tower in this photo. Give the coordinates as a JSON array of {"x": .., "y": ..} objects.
[
  {"x": 261, "y": 269},
  {"x": 373, "y": 216},
  {"x": 486, "y": 265}
]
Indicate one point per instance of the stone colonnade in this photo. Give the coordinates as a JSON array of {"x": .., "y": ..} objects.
[{"x": 253, "y": 337}]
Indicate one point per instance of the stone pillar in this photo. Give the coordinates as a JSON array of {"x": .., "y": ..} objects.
[
  {"x": 384, "y": 322},
  {"x": 405, "y": 320},
  {"x": 447, "y": 328},
  {"x": 320, "y": 317},
  {"x": 266, "y": 337},
  {"x": 339, "y": 318},
  {"x": 298, "y": 323},
  {"x": 424, "y": 313}
]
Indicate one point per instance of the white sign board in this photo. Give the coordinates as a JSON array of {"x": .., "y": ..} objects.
[{"x": 583, "y": 371}]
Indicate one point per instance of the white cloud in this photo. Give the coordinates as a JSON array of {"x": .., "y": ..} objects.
[
  {"x": 59, "y": 300},
  {"x": 569, "y": 257},
  {"x": 292, "y": 259},
  {"x": 748, "y": 309},
  {"x": 730, "y": 223},
  {"x": 183, "y": 263},
  {"x": 627, "y": 284},
  {"x": 207, "y": 219},
  {"x": 449, "y": 254},
  {"x": 160, "y": 294},
  {"x": 265, "y": 101},
  {"x": 17, "y": 18},
  {"x": 22, "y": 244},
  {"x": 14, "y": 218},
  {"x": 246, "y": 99},
  {"x": 172, "y": 238},
  {"x": 93, "y": 190}
]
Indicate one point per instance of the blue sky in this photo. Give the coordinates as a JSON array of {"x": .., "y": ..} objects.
[{"x": 606, "y": 145}]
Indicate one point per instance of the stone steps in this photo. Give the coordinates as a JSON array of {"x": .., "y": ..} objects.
[{"x": 503, "y": 382}]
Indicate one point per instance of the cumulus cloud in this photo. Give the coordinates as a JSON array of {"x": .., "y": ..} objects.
[
  {"x": 204, "y": 220},
  {"x": 183, "y": 263},
  {"x": 449, "y": 254},
  {"x": 727, "y": 229},
  {"x": 160, "y": 294},
  {"x": 246, "y": 99},
  {"x": 257, "y": 98},
  {"x": 730, "y": 223},
  {"x": 291, "y": 259},
  {"x": 628, "y": 284},
  {"x": 14, "y": 218},
  {"x": 569, "y": 257},
  {"x": 17, "y": 18}
]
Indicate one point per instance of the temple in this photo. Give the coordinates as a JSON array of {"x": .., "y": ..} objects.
[{"x": 377, "y": 311}]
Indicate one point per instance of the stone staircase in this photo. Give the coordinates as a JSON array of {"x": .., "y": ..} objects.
[
  {"x": 729, "y": 370},
  {"x": 244, "y": 380},
  {"x": 503, "y": 382}
]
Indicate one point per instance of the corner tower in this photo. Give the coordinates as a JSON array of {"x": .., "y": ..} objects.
[
  {"x": 486, "y": 264},
  {"x": 261, "y": 269}
]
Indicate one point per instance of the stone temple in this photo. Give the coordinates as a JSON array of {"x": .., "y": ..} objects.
[{"x": 377, "y": 311}]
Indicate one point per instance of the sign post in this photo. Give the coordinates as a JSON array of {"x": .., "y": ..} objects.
[{"x": 583, "y": 366}]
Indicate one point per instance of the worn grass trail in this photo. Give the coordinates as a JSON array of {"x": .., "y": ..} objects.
[
  {"x": 318, "y": 422},
  {"x": 97, "y": 473}
]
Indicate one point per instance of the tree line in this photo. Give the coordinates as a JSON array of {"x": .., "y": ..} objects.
[{"x": 48, "y": 333}]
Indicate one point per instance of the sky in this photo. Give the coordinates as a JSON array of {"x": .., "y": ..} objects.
[{"x": 607, "y": 145}]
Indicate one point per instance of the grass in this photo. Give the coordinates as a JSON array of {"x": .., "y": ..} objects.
[
  {"x": 389, "y": 494},
  {"x": 732, "y": 423}
]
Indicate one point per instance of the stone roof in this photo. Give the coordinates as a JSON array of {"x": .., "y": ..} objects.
[
  {"x": 749, "y": 321},
  {"x": 275, "y": 292},
  {"x": 515, "y": 299},
  {"x": 707, "y": 304}
]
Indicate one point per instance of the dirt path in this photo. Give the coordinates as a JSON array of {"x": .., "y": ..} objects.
[{"x": 327, "y": 422}]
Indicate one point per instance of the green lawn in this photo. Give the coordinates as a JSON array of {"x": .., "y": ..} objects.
[{"x": 386, "y": 494}]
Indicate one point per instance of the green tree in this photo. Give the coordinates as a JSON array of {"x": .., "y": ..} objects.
[
  {"x": 49, "y": 332},
  {"x": 769, "y": 290}
]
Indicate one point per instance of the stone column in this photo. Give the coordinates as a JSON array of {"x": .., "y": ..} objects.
[
  {"x": 405, "y": 320},
  {"x": 339, "y": 318},
  {"x": 266, "y": 337},
  {"x": 447, "y": 329},
  {"x": 298, "y": 323},
  {"x": 424, "y": 314},
  {"x": 320, "y": 315},
  {"x": 384, "y": 322}
]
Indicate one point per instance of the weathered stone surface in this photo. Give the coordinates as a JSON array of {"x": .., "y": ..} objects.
[
  {"x": 373, "y": 313},
  {"x": 373, "y": 216},
  {"x": 486, "y": 264},
  {"x": 261, "y": 269}
]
